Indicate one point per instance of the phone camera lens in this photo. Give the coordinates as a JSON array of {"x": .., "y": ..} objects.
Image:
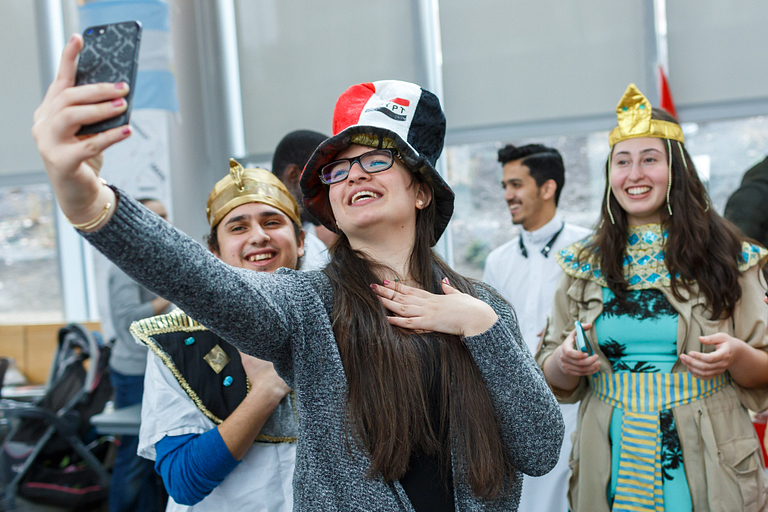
[{"x": 89, "y": 32}]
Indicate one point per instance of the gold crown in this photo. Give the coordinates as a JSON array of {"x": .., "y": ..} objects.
[
  {"x": 634, "y": 114},
  {"x": 242, "y": 186}
]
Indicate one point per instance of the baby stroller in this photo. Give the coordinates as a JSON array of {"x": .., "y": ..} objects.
[{"x": 44, "y": 457}]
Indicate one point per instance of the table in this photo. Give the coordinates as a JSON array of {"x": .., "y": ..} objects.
[{"x": 118, "y": 422}]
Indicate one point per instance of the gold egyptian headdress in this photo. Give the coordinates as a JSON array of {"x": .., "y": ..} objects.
[
  {"x": 242, "y": 186},
  {"x": 634, "y": 116}
]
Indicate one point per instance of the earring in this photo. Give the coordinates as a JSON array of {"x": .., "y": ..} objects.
[
  {"x": 420, "y": 204},
  {"x": 608, "y": 186},
  {"x": 669, "y": 184},
  {"x": 608, "y": 204}
]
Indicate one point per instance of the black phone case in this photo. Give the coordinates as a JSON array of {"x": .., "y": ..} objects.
[{"x": 110, "y": 57}]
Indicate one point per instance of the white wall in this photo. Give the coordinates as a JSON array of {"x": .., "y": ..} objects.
[
  {"x": 297, "y": 57},
  {"x": 718, "y": 51},
  {"x": 516, "y": 61}
]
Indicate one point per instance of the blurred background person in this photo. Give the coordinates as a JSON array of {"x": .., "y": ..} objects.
[
  {"x": 748, "y": 205},
  {"x": 290, "y": 157},
  {"x": 134, "y": 482},
  {"x": 525, "y": 271}
]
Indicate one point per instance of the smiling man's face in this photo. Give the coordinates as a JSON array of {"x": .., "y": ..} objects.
[
  {"x": 258, "y": 237},
  {"x": 522, "y": 195}
]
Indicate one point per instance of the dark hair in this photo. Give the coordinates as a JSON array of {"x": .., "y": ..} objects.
[
  {"x": 212, "y": 239},
  {"x": 702, "y": 248},
  {"x": 295, "y": 148},
  {"x": 395, "y": 376},
  {"x": 544, "y": 163}
]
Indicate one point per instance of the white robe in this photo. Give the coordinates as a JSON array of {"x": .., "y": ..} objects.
[
  {"x": 316, "y": 255},
  {"x": 262, "y": 482},
  {"x": 529, "y": 284}
]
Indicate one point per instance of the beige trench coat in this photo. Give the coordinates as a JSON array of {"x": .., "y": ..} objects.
[{"x": 723, "y": 461}]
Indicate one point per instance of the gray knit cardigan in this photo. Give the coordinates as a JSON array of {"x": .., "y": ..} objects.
[{"x": 285, "y": 318}]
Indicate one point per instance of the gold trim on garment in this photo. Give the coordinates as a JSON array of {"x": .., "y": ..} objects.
[
  {"x": 644, "y": 261},
  {"x": 178, "y": 321}
]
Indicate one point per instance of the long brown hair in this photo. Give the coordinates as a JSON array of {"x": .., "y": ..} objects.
[
  {"x": 391, "y": 374},
  {"x": 702, "y": 248}
]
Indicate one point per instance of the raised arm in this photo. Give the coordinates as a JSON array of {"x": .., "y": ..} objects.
[
  {"x": 234, "y": 303},
  {"x": 73, "y": 162}
]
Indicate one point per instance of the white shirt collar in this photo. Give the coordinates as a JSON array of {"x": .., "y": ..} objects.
[{"x": 542, "y": 235}]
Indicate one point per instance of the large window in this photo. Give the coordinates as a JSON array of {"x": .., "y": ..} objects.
[
  {"x": 30, "y": 286},
  {"x": 722, "y": 150}
]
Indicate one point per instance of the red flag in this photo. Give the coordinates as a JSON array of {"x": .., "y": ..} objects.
[{"x": 665, "y": 94}]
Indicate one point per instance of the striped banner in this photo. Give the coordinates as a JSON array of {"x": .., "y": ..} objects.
[{"x": 642, "y": 396}]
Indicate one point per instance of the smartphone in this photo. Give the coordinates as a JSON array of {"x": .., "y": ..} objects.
[
  {"x": 110, "y": 54},
  {"x": 581, "y": 339}
]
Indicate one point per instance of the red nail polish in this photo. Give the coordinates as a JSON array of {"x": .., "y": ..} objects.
[
  {"x": 117, "y": 102},
  {"x": 373, "y": 286},
  {"x": 120, "y": 85},
  {"x": 386, "y": 283},
  {"x": 126, "y": 130}
]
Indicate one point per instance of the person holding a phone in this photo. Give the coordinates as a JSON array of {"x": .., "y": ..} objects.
[
  {"x": 414, "y": 388},
  {"x": 669, "y": 296}
]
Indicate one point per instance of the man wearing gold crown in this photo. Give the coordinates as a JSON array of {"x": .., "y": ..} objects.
[
  {"x": 221, "y": 425},
  {"x": 670, "y": 295}
]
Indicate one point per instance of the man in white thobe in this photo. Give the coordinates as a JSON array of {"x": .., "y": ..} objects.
[{"x": 524, "y": 272}]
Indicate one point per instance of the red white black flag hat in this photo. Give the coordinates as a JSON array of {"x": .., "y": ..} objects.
[{"x": 385, "y": 114}]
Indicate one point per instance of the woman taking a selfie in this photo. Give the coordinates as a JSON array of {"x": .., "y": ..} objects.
[
  {"x": 670, "y": 295},
  {"x": 414, "y": 389}
]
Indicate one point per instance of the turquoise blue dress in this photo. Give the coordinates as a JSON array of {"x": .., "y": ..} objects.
[{"x": 640, "y": 335}]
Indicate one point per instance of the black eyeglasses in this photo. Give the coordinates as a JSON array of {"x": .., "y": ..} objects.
[{"x": 371, "y": 162}]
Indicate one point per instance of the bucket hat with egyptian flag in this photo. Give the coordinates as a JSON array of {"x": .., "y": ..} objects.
[{"x": 389, "y": 114}]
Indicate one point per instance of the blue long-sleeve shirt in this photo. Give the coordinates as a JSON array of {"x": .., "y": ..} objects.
[{"x": 193, "y": 465}]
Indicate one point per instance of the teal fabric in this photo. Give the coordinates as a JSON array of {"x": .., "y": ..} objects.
[{"x": 640, "y": 335}]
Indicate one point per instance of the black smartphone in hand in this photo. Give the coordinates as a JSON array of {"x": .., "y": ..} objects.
[{"x": 110, "y": 54}]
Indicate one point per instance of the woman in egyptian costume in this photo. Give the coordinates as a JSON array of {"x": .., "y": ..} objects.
[{"x": 670, "y": 295}]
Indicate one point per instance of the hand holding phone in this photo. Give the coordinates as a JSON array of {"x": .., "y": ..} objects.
[
  {"x": 71, "y": 162},
  {"x": 581, "y": 339},
  {"x": 110, "y": 54}
]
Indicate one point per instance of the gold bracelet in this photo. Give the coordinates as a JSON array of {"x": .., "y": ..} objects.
[
  {"x": 95, "y": 222},
  {"x": 92, "y": 224}
]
